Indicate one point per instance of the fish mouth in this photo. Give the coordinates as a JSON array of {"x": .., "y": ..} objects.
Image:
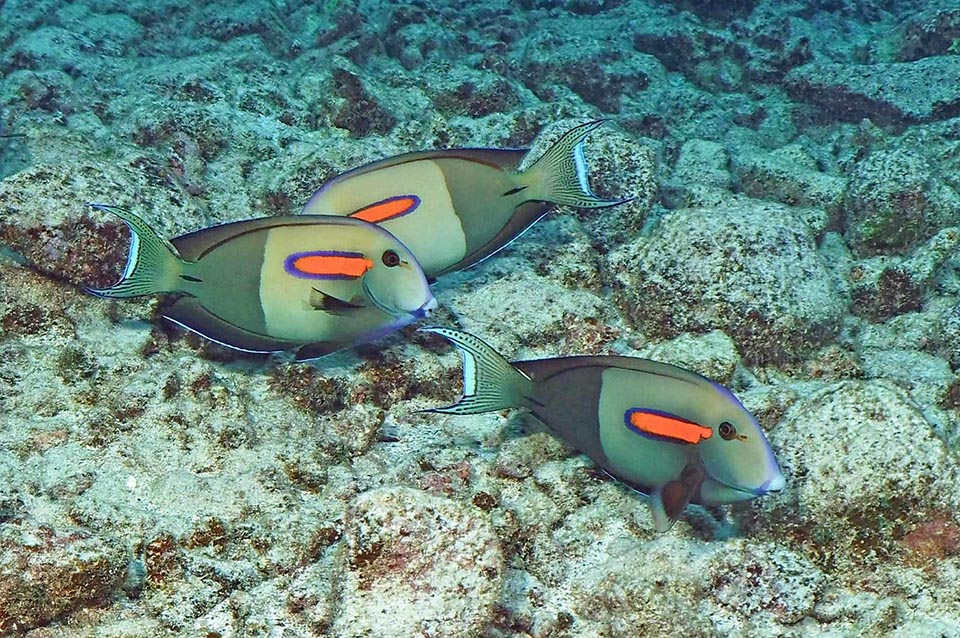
[
  {"x": 426, "y": 309},
  {"x": 420, "y": 313},
  {"x": 774, "y": 484}
]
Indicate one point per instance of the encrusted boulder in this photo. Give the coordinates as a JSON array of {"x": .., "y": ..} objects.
[
  {"x": 642, "y": 590},
  {"x": 46, "y": 573},
  {"x": 417, "y": 565},
  {"x": 788, "y": 175},
  {"x": 888, "y": 93},
  {"x": 863, "y": 467},
  {"x": 894, "y": 201},
  {"x": 932, "y": 31},
  {"x": 701, "y": 176},
  {"x": 752, "y": 271}
]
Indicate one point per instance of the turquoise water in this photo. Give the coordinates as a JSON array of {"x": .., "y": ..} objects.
[{"x": 793, "y": 235}]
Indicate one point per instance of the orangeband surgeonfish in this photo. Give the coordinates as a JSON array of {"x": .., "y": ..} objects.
[
  {"x": 668, "y": 432},
  {"x": 311, "y": 283},
  {"x": 455, "y": 207}
]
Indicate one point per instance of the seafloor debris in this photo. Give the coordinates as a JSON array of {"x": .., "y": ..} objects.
[{"x": 794, "y": 235}]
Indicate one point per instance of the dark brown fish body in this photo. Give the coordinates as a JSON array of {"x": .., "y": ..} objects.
[{"x": 666, "y": 431}]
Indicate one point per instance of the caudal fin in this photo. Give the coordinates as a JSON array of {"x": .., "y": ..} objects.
[
  {"x": 561, "y": 176},
  {"x": 152, "y": 266},
  {"x": 489, "y": 381}
]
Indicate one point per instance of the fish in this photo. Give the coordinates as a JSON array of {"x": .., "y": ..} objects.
[
  {"x": 312, "y": 284},
  {"x": 454, "y": 208},
  {"x": 667, "y": 432}
]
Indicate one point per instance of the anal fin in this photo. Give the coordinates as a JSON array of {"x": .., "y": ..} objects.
[
  {"x": 189, "y": 313},
  {"x": 320, "y": 349}
]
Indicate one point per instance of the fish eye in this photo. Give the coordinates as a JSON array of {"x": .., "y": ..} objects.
[
  {"x": 728, "y": 431},
  {"x": 390, "y": 259}
]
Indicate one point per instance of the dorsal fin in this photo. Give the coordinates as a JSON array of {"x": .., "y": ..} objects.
[
  {"x": 507, "y": 159},
  {"x": 193, "y": 246}
]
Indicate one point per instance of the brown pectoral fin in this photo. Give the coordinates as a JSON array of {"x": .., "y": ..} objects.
[
  {"x": 668, "y": 501},
  {"x": 320, "y": 300}
]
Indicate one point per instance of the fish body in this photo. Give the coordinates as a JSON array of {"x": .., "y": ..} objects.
[
  {"x": 456, "y": 207},
  {"x": 670, "y": 433},
  {"x": 314, "y": 284}
]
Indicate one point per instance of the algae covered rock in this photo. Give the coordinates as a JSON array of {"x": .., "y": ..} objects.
[
  {"x": 894, "y": 201},
  {"x": 417, "y": 565},
  {"x": 762, "y": 585},
  {"x": 299, "y": 605},
  {"x": 359, "y": 111},
  {"x": 883, "y": 286},
  {"x": 863, "y": 468},
  {"x": 788, "y": 175},
  {"x": 888, "y": 93},
  {"x": 646, "y": 589},
  {"x": 701, "y": 176},
  {"x": 44, "y": 218},
  {"x": 930, "y": 32},
  {"x": 46, "y": 573},
  {"x": 713, "y": 354},
  {"x": 752, "y": 271},
  {"x": 515, "y": 309}
]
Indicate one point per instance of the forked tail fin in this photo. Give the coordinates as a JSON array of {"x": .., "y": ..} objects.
[
  {"x": 489, "y": 381},
  {"x": 561, "y": 176},
  {"x": 152, "y": 266}
]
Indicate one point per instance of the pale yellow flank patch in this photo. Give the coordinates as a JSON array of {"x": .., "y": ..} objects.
[{"x": 432, "y": 232}]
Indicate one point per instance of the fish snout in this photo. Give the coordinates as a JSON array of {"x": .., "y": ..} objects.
[
  {"x": 774, "y": 484},
  {"x": 426, "y": 309}
]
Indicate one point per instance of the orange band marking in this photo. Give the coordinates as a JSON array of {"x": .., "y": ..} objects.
[
  {"x": 327, "y": 265},
  {"x": 389, "y": 208},
  {"x": 663, "y": 426}
]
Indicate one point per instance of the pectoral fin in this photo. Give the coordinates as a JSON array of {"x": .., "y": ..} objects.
[
  {"x": 320, "y": 300},
  {"x": 668, "y": 501}
]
